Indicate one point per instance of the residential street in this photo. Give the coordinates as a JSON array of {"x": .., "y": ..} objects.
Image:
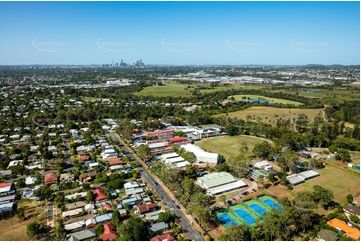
[{"x": 151, "y": 181}]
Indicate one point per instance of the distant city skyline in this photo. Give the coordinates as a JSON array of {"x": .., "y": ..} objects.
[{"x": 180, "y": 33}]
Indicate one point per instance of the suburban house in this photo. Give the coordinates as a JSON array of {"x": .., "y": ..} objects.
[
  {"x": 168, "y": 236},
  {"x": 356, "y": 200},
  {"x": 158, "y": 227},
  {"x": 87, "y": 177},
  {"x": 109, "y": 232},
  {"x": 86, "y": 234},
  {"x": 349, "y": 231},
  {"x": 145, "y": 208},
  {"x": 112, "y": 161},
  {"x": 351, "y": 210},
  {"x": 66, "y": 177},
  {"x": 7, "y": 197},
  {"x": 99, "y": 194},
  {"x": 51, "y": 178}
]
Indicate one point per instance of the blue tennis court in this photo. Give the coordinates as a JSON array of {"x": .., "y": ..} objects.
[
  {"x": 225, "y": 219},
  {"x": 271, "y": 203},
  {"x": 245, "y": 216},
  {"x": 257, "y": 209}
]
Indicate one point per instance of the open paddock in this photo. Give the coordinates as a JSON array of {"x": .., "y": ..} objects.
[{"x": 269, "y": 115}]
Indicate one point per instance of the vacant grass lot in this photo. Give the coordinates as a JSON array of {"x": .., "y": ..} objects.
[
  {"x": 172, "y": 88},
  {"x": 226, "y": 87},
  {"x": 269, "y": 115},
  {"x": 341, "y": 182},
  {"x": 228, "y": 146},
  {"x": 14, "y": 229},
  {"x": 169, "y": 89},
  {"x": 339, "y": 93},
  {"x": 276, "y": 100}
]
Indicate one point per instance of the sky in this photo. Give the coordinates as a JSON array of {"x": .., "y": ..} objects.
[{"x": 180, "y": 33}]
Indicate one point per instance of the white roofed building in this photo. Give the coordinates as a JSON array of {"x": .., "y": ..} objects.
[
  {"x": 219, "y": 182},
  {"x": 201, "y": 155}
]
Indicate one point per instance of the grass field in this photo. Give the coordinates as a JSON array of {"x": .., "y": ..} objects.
[
  {"x": 172, "y": 88},
  {"x": 269, "y": 115},
  {"x": 276, "y": 100},
  {"x": 228, "y": 146},
  {"x": 169, "y": 89},
  {"x": 226, "y": 87},
  {"x": 340, "y": 93},
  {"x": 341, "y": 182},
  {"x": 14, "y": 232},
  {"x": 14, "y": 229}
]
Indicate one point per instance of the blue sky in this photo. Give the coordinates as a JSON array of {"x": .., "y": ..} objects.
[{"x": 180, "y": 32}]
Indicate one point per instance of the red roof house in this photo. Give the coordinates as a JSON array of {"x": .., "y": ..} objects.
[
  {"x": 115, "y": 161},
  {"x": 5, "y": 184},
  {"x": 50, "y": 178},
  {"x": 5, "y": 187},
  {"x": 99, "y": 193},
  {"x": 106, "y": 206},
  {"x": 164, "y": 237},
  {"x": 109, "y": 232},
  {"x": 84, "y": 157},
  {"x": 144, "y": 208}
]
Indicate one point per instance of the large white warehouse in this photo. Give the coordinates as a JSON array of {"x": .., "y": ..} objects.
[{"x": 201, "y": 155}]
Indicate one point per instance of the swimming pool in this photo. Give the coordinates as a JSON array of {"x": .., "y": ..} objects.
[
  {"x": 245, "y": 216},
  {"x": 226, "y": 219}
]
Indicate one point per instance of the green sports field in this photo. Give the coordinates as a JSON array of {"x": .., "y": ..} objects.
[{"x": 229, "y": 146}]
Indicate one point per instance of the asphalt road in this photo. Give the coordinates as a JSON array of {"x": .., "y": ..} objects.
[{"x": 192, "y": 233}]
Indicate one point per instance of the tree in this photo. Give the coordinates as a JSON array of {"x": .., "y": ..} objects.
[
  {"x": 59, "y": 228},
  {"x": 33, "y": 229},
  {"x": 165, "y": 217},
  {"x": 262, "y": 150},
  {"x": 90, "y": 196},
  {"x": 133, "y": 229},
  {"x": 191, "y": 171},
  {"x": 115, "y": 217},
  {"x": 236, "y": 233},
  {"x": 322, "y": 195},
  {"x": 20, "y": 213},
  {"x": 343, "y": 155},
  {"x": 301, "y": 123},
  {"x": 144, "y": 152},
  {"x": 231, "y": 130},
  {"x": 349, "y": 198},
  {"x": 99, "y": 229}
]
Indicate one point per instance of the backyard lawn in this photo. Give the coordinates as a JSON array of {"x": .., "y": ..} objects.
[{"x": 228, "y": 146}]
